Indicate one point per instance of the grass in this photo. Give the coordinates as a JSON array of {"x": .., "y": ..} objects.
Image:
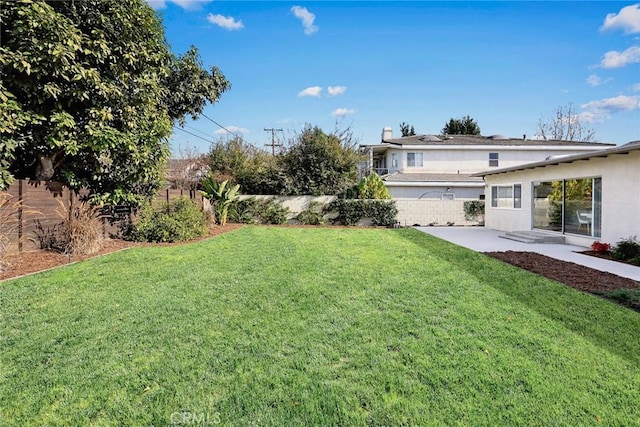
[{"x": 270, "y": 326}]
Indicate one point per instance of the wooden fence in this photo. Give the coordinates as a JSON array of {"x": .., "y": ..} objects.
[{"x": 43, "y": 204}]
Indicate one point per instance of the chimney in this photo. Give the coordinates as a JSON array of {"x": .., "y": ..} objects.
[{"x": 387, "y": 133}]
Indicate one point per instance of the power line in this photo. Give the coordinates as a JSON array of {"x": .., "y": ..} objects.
[
  {"x": 273, "y": 139},
  {"x": 220, "y": 126},
  {"x": 195, "y": 130},
  {"x": 193, "y": 134}
]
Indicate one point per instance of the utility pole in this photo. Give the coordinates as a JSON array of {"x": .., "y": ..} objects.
[{"x": 273, "y": 139}]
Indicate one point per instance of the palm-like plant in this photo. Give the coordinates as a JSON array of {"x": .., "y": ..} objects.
[{"x": 221, "y": 196}]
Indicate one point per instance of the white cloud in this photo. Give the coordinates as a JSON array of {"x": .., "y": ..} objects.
[
  {"x": 341, "y": 112},
  {"x": 311, "y": 91},
  {"x": 594, "y": 80},
  {"x": 597, "y": 111},
  {"x": 185, "y": 4},
  {"x": 233, "y": 129},
  {"x": 307, "y": 19},
  {"x": 226, "y": 22},
  {"x": 615, "y": 59},
  {"x": 628, "y": 20},
  {"x": 336, "y": 90}
]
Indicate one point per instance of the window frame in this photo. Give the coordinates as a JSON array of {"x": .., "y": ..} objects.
[
  {"x": 494, "y": 160},
  {"x": 415, "y": 155},
  {"x": 513, "y": 196}
]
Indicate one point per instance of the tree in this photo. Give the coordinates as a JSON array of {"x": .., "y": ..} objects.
[
  {"x": 406, "y": 130},
  {"x": 463, "y": 126},
  {"x": 372, "y": 187},
  {"x": 565, "y": 125},
  {"x": 89, "y": 93},
  {"x": 319, "y": 164},
  {"x": 239, "y": 162}
]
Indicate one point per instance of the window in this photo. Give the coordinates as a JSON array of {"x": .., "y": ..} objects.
[
  {"x": 493, "y": 159},
  {"x": 394, "y": 160},
  {"x": 517, "y": 196},
  {"x": 506, "y": 196},
  {"x": 569, "y": 206},
  {"x": 414, "y": 160}
]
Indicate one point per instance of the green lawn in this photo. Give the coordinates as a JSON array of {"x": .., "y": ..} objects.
[{"x": 269, "y": 326}]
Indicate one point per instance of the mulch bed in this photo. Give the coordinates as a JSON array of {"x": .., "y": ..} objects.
[{"x": 577, "y": 276}]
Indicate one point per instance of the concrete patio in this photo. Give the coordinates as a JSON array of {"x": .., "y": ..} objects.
[{"x": 482, "y": 239}]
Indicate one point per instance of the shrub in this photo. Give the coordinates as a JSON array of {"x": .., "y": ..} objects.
[
  {"x": 49, "y": 238},
  {"x": 272, "y": 212},
  {"x": 254, "y": 211},
  {"x": 176, "y": 221},
  {"x": 313, "y": 215},
  {"x": 372, "y": 187},
  {"x": 626, "y": 249},
  {"x": 351, "y": 211},
  {"x": 600, "y": 247},
  {"x": 473, "y": 209},
  {"x": 625, "y": 295},
  {"x": 244, "y": 211},
  {"x": 221, "y": 195}
]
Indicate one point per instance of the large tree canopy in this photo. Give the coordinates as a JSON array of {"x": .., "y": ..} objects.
[
  {"x": 89, "y": 92},
  {"x": 463, "y": 126},
  {"x": 319, "y": 163},
  {"x": 312, "y": 162}
]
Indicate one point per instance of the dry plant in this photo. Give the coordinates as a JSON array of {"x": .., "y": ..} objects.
[
  {"x": 10, "y": 209},
  {"x": 81, "y": 230}
]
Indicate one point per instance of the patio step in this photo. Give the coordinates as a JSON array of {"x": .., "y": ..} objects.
[{"x": 533, "y": 237}]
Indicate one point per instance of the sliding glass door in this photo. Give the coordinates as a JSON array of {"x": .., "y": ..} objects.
[
  {"x": 547, "y": 205},
  {"x": 570, "y": 206}
]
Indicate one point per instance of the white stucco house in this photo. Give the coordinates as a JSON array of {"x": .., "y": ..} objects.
[
  {"x": 585, "y": 197},
  {"x": 442, "y": 167}
]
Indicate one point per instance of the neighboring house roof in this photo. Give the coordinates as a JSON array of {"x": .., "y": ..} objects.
[
  {"x": 431, "y": 179},
  {"x": 185, "y": 168},
  {"x": 623, "y": 149},
  {"x": 498, "y": 140}
]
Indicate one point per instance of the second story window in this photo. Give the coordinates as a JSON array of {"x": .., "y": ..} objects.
[
  {"x": 394, "y": 160},
  {"x": 493, "y": 159},
  {"x": 414, "y": 160}
]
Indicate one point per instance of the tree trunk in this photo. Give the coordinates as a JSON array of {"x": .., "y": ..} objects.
[{"x": 44, "y": 169}]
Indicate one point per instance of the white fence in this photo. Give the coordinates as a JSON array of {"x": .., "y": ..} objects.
[{"x": 435, "y": 212}]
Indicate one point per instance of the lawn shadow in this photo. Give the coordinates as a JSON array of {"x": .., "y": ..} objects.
[{"x": 604, "y": 323}]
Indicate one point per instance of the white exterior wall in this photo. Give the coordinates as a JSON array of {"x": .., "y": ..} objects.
[
  {"x": 466, "y": 159},
  {"x": 432, "y": 192},
  {"x": 620, "y": 195}
]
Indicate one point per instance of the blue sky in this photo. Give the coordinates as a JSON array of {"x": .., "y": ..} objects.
[{"x": 368, "y": 65}]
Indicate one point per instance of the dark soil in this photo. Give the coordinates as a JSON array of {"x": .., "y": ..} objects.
[{"x": 577, "y": 276}]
